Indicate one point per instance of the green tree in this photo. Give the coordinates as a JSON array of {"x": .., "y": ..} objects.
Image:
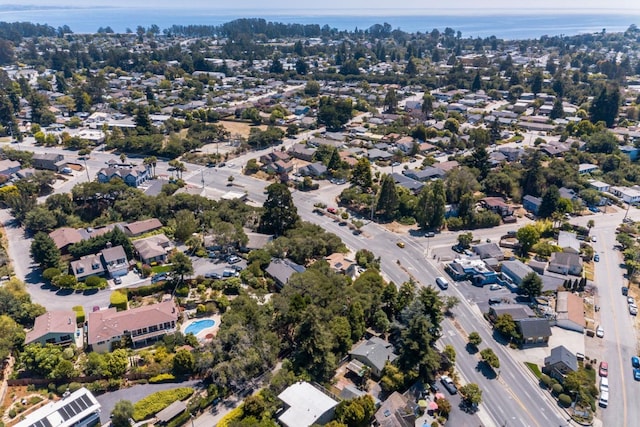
[
  {"x": 122, "y": 412},
  {"x": 549, "y": 203},
  {"x": 183, "y": 363},
  {"x": 280, "y": 213},
  {"x": 531, "y": 285},
  {"x": 450, "y": 353},
  {"x": 427, "y": 104},
  {"x": 392, "y": 379},
  {"x": 465, "y": 239},
  {"x": 356, "y": 412},
  {"x": 471, "y": 394},
  {"x": 527, "y": 236},
  {"x": 604, "y": 106},
  {"x": 40, "y": 219},
  {"x": 536, "y": 82},
  {"x": 506, "y": 326},
  {"x": 11, "y": 336},
  {"x": 361, "y": 174},
  {"x": 357, "y": 321},
  {"x": 557, "y": 112},
  {"x": 312, "y": 88},
  {"x": 475, "y": 339},
  {"x": 181, "y": 265},
  {"x": 388, "y": 201},
  {"x": 391, "y": 100},
  {"x": 334, "y": 114},
  {"x": 44, "y": 251},
  {"x": 430, "y": 206},
  {"x": 185, "y": 225},
  {"x": 488, "y": 356}
]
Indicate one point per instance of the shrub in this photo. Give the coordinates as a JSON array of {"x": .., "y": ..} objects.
[
  {"x": 50, "y": 273},
  {"x": 557, "y": 389},
  {"x": 74, "y": 387},
  {"x": 33, "y": 400},
  {"x": 80, "y": 316},
  {"x": 162, "y": 378},
  {"x": 233, "y": 415},
  {"x": 158, "y": 401},
  {"x": 12, "y": 413},
  {"x": 93, "y": 282},
  {"x": 546, "y": 380},
  {"x": 565, "y": 400},
  {"x": 118, "y": 300}
]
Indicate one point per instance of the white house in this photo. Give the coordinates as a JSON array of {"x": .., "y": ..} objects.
[
  {"x": 305, "y": 405},
  {"x": 628, "y": 195},
  {"x": 79, "y": 409}
]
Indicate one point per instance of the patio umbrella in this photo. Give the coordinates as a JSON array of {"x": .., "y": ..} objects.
[
  {"x": 439, "y": 396},
  {"x": 432, "y": 406},
  {"x": 422, "y": 403}
]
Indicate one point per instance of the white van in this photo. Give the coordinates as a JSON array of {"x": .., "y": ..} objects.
[
  {"x": 604, "y": 399},
  {"x": 442, "y": 282},
  {"x": 604, "y": 384}
]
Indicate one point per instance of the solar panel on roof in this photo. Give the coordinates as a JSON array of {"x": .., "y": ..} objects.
[
  {"x": 76, "y": 407},
  {"x": 87, "y": 402},
  {"x": 63, "y": 413}
]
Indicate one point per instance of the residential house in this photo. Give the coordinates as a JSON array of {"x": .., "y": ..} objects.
[
  {"x": 87, "y": 266},
  {"x": 115, "y": 261},
  {"x": 603, "y": 187},
  {"x": 559, "y": 363},
  {"x": 142, "y": 325},
  {"x": 497, "y": 205},
  {"x": 79, "y": 409},
  {"x": 305, "y": 405},
  {"x": 316, "y": 170},
  {"x": 568, "y": 242},
  {"x": 570, "y": 311},
  {"x": 302, "y": 152},
  {"x": 531, "y": 203},
  {"x": 64, "y": 237},
  {"x": 631, "y": 151},
  {"x": 374, "y": 353},
  {"x": 408, "y": 183},
  {"x": 425, "y": 174},
  {"x": 516, "y": 311},
  {"x": 281, "y": 270},
  {"x": 534, "y": 331},
  {"x": 256, "y": 241},
  {"x": 53, "y": 327},
  {"x": 396, "y": 411},
  {"x": 377, "y": 154},
  {"x": 9, "y": 167},
  {"x": 628, "y": 195},
  {"x": 274, "y": 156},
  {"x": 153, "y": 249},
  {"x": 568, "y": 193},
  {"x": 515, "y": 271},
  {"x": 280, "y": 167},
  {"x": 49, "y": 161},
  {"x": 489, "y": 250},
  {"x": 565, "y": 263},
  {"x": 340, "y": 264},
  {"x": 587, "y": 168},
  {"x": 133, "y": 176},
  {"x": 138, "y": 228}
]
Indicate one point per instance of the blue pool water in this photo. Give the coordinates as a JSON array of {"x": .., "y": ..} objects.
[{"x": 198, "y": 326}]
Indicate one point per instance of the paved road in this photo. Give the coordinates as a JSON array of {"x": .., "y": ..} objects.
[{"x": 620, "y": 339}]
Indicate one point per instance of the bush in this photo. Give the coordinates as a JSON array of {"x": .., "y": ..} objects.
[
  {"x": 93, "y": 282},
  {"x": 565, "y": 400},
  {"x": 80, "y": 316},
  {"x": 546, "y": 380},
  {"x": 233, "y": 415},
  {"x": 118, "y": 300},
  {"x": 158, "y": 401},
  {"x": 557, "y": 389},
  {"x": 12, "y": 413},
  {"x": 162, "y": 378},
  {"x": 74, "y": 387},
  {"x": 50, "y": 273}
]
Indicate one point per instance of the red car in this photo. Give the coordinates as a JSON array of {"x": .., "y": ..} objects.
[{"x": 604, "y": 369}]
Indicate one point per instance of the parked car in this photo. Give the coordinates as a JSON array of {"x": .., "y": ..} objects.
[
  {"x": 493, "y": 301},
  {"x": 434, "y": 387},
  {"x": 332, "y": 210},
  {"x": 635, "y": 362},
  {"x": 429, "y": 234},
  {"x": 400, "y": 244},
  {"x": 117, "y": 281},
  {"x": 495, "y": 287},
  {"x": 596, "y": 258},
  {"x": 636, "y": 374},
  {"x": 625, "y": 290},
  {"x": 449, "y": 385},
  {"x": 631, "y": 300},
  {"x": 604, "y": 399},
  {"x": 594, "y": 239},
  {"x": 212, "y": 276},
  {"x": 604, "y": 384},
  {"x": 158, "y": 277},
  {"x": 442, "y": 283},
  {"x": 633, "y": 309},
  {"x": 604, "y": 369},
  {"x": 600, "y": 332},
  {"x": 233, "y": 259}
]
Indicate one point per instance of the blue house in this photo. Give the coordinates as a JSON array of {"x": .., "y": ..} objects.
[
  {"x": 630, "y": 151},
  {"x": 132, "y": 176},
  {"x": 531, "y": 203},
  {"x": 475, "y": 270}
]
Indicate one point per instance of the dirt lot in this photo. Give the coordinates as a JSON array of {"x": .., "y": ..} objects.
[{"x": 237, "y": 128}]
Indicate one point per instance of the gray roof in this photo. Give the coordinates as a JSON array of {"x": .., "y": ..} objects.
[
  {"x": 532, "y": 199},
  {"x": 534, "y": 328},
  {"x": 562, "y": 354},
  {"x": 171, "y": 411},
  {"x": 488, "y": 250},
  {"x": 428, "y": 172},
  {"x": 376, "y": 351},
  {"x": 114, "y": 254},
  {"x": 406, "y": 182},
  {"x": 565, "y": 258},
  {"x": 517, "y": 268},
  {"x": 517, "y": 311},
  {"x": 282, "y": 269}
]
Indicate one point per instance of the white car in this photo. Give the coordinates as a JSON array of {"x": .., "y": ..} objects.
[
  {"x": 631, "y": 300},
  {"x": 633, "y": 309},
  {"x": 600, "y": 332},
  {"x": 495, "y": 287},
  {"x": 604, "y": 399},
  {"x": 593, "y": 239},
  {"x": 604, "y": 384}
]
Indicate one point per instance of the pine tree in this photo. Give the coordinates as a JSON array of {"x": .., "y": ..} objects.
[
  {"x": 361, "y": 175},
  {"x": 388, "y": 200},
  {"x": 280, "y": 213},
  {"x": 477, "y": 83},
  {"x": 557, "y": 112}
]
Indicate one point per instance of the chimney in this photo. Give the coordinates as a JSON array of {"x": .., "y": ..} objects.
[{"x": 109, "y": 244}]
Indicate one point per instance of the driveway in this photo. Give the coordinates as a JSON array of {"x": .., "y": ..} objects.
[{"x": 134, "y": 394}]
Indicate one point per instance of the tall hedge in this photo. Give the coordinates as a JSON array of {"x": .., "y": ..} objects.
[
  {"x": 80, "y": 316},
  {"x": 157, "y": 401},
  {"x": 119, "y": 300}
]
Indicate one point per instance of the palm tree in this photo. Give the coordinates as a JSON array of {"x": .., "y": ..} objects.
[{"x": 151, "y": 161}]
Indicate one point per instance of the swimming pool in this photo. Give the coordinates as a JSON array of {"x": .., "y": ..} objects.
[{"x": 198, "y": 326}]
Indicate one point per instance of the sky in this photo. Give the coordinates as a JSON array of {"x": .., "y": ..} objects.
[{"x": 366, "y": 6}]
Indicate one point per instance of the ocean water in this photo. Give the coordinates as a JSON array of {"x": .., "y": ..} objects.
[{"x": 520, "y": 25}]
